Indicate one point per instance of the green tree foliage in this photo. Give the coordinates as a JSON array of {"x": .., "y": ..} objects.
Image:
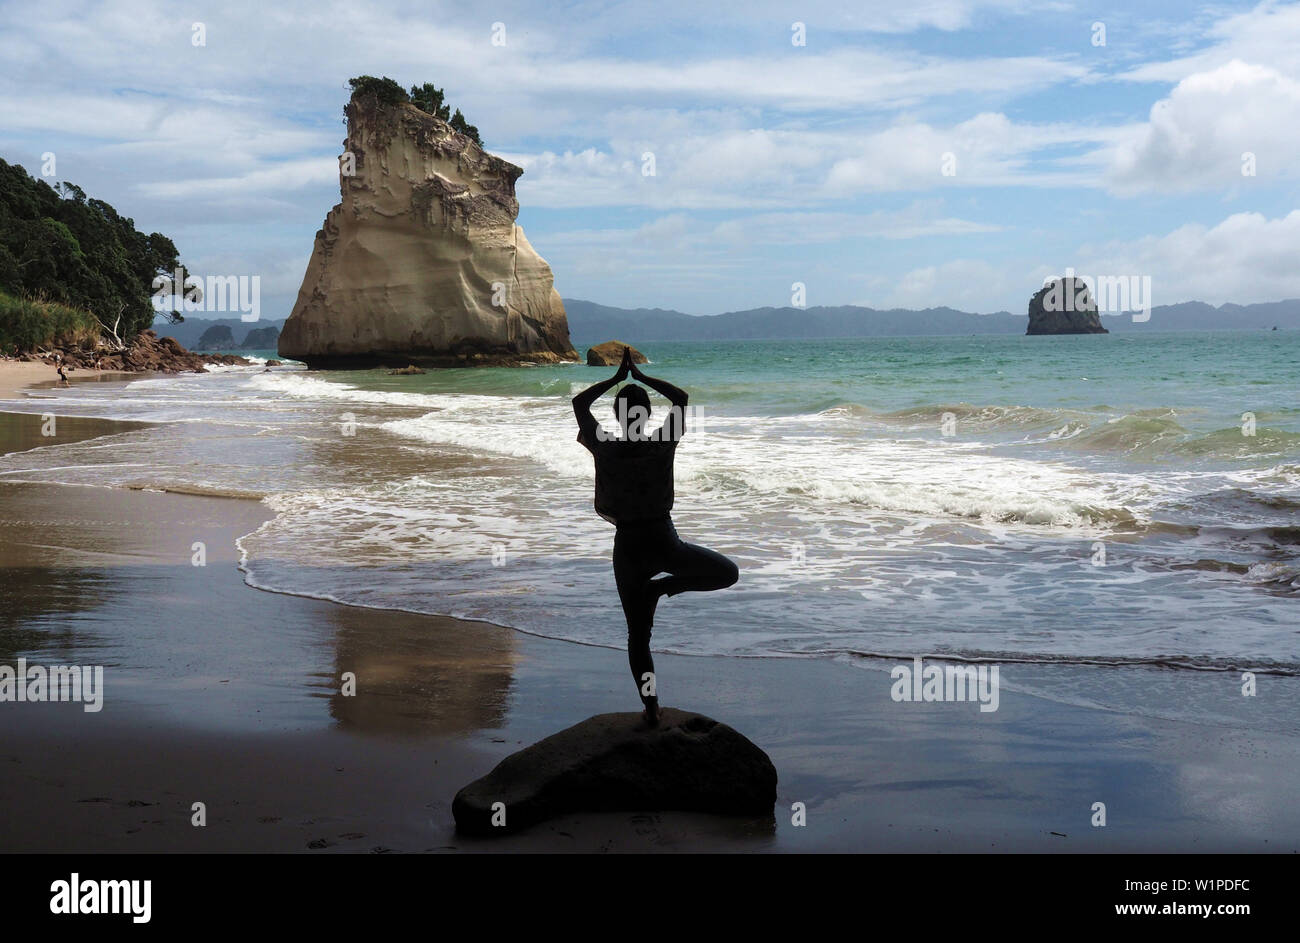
[
  {"x": 61, "y": 248},
  {"x": 427, "y": 97},
  {"x": 386, "y": 90},
  {"x": 464, "y": 127}
]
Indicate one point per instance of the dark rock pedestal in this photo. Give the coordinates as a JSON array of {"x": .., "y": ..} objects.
[{"x": 614, "y": 763}]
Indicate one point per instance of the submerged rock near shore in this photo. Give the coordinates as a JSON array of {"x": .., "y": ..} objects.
[
  {"x": 1064, "y": 306},
  {"x": 614, "y": 763},
  {"x": 610, "y": 354},
  {"x": 422, "y": 261}
]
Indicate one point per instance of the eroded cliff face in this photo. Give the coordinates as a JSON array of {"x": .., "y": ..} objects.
[{"x": 422, "y": 261}]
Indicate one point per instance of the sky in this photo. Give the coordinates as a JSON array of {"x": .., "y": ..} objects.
[{"x": 918, "y": 154}]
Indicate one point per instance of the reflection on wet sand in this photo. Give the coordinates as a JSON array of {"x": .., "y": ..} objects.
[
  {"x": 42, "y": 611},
  {"x": 419, "y": 673},
  {"x": 96, "y": 576}
]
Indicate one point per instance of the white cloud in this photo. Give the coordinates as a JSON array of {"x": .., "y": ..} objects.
[
  {"x": 1245, "y": 258},
  {"x": 287, "y": 175},
  {"x": 812, "y": 228},
  {"x": 965, "y": 284},
  {"x": 798, "y": 80},
  {"x": 681, "y": 231},
  {"x": 1266, "y": 35},
  {"x": 758, "y": 168},
  {"x": 987, "y": 150},
  {"x": 1196, "y": 138},
  {"x": 822, "y": 17}
]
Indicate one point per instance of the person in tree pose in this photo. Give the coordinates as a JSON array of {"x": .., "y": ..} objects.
[{"x": 634, "y": 492}]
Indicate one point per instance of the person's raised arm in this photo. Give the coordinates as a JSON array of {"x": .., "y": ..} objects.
[
  {"x": 582, "y": 402},
  {"x": 675, "y": 425}
]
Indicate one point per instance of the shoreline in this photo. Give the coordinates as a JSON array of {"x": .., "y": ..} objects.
[
  {"x": 21, "y": 431},
  {"x": 18, "y": 376},
  {"x": 222, "y": 693}
]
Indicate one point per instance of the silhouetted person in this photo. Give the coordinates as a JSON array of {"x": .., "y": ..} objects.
[
  {"x": 63, "y": 377},
  {"x": 634, "y": 492}
]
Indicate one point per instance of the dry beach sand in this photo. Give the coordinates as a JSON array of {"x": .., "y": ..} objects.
[
  {"x": 223, "y": 694},
  {"x": 17, "y": 375}
]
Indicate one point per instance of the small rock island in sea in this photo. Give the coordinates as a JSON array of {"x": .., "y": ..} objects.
[
  {"x": 610, "y": 354},
  {"x": 422, "y": 261},
  {"x": 1064, "y": 306}
]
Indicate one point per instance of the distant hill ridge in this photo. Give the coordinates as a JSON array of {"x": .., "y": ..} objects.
[{"x": 590, "y": 322}]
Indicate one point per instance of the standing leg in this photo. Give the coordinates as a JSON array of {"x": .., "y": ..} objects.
[{"x": 632, "y": 573}]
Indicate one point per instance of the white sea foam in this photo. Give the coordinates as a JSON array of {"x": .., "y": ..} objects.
[
  {"x": 303, "y": 386},
  {"x": 854, "y": 530},
  {"x": 761, "y": 456}
]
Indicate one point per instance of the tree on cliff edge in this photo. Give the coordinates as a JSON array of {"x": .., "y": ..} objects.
[
  {"x": 386, "y": 90},
  {"x": 427, "y": 97},
  {"x": 459, "y": 123}
]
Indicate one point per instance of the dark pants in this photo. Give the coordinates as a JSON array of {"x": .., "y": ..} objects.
[{"x": 642, "y": 550}]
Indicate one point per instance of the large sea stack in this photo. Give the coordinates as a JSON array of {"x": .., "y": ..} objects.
[
  {"x": 1064, "y": 306},
  {"x": 422, "y": 261}
]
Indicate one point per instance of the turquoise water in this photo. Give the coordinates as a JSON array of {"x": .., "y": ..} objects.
[
  {"x": 1177, "y": 394},
  {"x": 1125, "y": 500},
  {"x": 1208, "y": 380}
]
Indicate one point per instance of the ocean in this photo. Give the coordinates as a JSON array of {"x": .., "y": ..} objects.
[{"x": 1126, "y": 501}]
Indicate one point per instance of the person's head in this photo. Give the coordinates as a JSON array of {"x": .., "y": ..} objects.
[{"x": 632, "y": 409}]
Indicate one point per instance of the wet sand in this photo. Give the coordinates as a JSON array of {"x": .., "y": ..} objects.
[
  {"x": 219, "y": 693},
  {"x": 22, "y": 431}
]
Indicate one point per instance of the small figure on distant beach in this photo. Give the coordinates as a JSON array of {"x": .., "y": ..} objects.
[
  {"x": 634, "y": 492},
  {"x": 63, "y": 377}
]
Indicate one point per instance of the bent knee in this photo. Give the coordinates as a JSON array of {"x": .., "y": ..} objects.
[{"x": 730, "y": 574}]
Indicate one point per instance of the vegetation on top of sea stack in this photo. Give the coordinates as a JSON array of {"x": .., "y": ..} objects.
[
  {"x": 427, "y": 97},
  {"x": 68, "y": 261}
]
